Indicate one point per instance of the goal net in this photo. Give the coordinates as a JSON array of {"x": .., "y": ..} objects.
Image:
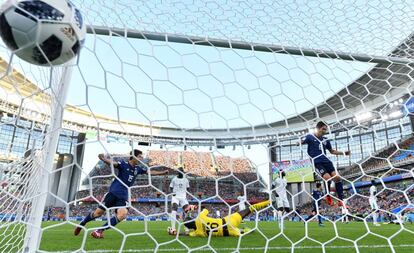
[{"x": 231, "y": 92}]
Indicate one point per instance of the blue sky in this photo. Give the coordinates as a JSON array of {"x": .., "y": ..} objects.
[{"x": 187, "y": 86}]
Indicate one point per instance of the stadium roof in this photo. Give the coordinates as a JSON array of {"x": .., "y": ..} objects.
[{"x": 389, "y": 78}]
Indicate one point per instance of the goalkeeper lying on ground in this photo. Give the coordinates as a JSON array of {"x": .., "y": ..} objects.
[{"x": 227, "y": 226}]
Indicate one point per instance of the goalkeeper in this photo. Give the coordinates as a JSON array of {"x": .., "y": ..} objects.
[{"x": 228, "y": 226}]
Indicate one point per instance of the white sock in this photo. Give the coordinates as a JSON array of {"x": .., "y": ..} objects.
[
  {"x": 332, "y": 186},
  {"x": 279, "y": 216},
  {"x": 374, "y": 217},
  {"x": 173, "y": 219}
]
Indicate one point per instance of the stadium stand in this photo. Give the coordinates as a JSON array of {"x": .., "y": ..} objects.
[{"x": 399, "y": 154}]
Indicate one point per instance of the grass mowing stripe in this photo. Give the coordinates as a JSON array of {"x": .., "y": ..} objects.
[
  {"x": 61, "y": 239},
  {"x": 248, "y": 248}
]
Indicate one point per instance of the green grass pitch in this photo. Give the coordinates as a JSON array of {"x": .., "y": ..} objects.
[
  {"x": 298, "y": 175},
  {"x": 58, "y": 237}
]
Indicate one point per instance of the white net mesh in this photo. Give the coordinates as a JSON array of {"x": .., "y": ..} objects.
[
  {"x": 22, "y": 180},
  {"x": 26, "y": 161},
  {"x": 226, "y": 90}
]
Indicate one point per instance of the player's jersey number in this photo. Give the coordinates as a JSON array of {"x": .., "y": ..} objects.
[{"x": 211, "y": 226}]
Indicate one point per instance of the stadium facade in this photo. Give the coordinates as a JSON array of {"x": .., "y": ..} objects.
[{"x": 361, "y": 141}]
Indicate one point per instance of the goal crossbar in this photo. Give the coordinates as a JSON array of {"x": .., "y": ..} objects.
[{"x": 241, "y": 45}]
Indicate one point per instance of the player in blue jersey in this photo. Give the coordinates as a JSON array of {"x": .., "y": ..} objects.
[
  {"x": 117, "y": 195},
  {"x": 49, "y": 213},
  {"x": 317, "y": 146},
  {"x": 316, "y": 197}
]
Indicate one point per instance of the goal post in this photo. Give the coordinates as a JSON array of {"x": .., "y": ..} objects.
[
  {"x": 26, "y": 180},
  {"x": 59, "y": 83}
]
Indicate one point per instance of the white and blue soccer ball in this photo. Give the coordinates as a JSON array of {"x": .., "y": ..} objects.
[{"x": 42, "y": 32}]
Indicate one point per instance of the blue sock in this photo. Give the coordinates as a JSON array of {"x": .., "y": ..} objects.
[
  {"x": 113, "y": 221},
  {"x": 339, "y": 189},
  {"x": 87, "y": 219}
]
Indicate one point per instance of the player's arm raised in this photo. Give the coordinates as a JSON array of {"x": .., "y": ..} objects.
[
  {"x": 108, "y": 161},
  {"x": 204, "y": 212},
  {"x": 336, "y": 152},
  {"x": 154, "y": 172}
]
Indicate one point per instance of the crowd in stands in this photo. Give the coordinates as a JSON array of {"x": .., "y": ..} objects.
[
  {"x": 205, "y": 188},
  {"x": 196, "y": 164},
  {"x": 358, "y": 204},
  {"x": 387, "y": 173},
  {"x": 202, "y": 168},
  {"x": 396, "y": 154}
]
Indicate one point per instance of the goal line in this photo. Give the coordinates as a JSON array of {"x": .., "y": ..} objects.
[{"x": 251, "y": 248}]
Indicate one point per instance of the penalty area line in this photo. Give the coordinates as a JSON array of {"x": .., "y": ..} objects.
[{"x": 245, "y": 248}]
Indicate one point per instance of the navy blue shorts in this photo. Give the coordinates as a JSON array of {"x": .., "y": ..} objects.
[
  {"x": 325, "y": 167},
  {"x": 314, "y": 207},
  {"x": 110, "y": 200}
]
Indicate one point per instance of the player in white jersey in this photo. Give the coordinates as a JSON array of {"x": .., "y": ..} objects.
[
  {"x": 242, "y": 201},
  {"x": 406, "y": 217},
  {"x": 345, "y": 213},
  {"x": 178, "y": 186},
  {"x": 373, "y": 202},
  {"x": 282, "y": 202},
  {"x": 401, "y": 218}
]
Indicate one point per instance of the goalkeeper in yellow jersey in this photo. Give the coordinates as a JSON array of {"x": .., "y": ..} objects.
[{"x": 228, "y": 226}]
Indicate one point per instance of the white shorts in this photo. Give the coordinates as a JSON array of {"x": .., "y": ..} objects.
[
  {"x": 373, "y": 204},
  {"x": 242, "y": 207},
  {"x": 282, "y": 202},
  {"x": 179, "y": 201}
]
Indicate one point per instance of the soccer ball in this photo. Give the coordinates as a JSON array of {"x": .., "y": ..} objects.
[
  {"x": 171, "y": 231},
  {"x": 42, "y": 32}
]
